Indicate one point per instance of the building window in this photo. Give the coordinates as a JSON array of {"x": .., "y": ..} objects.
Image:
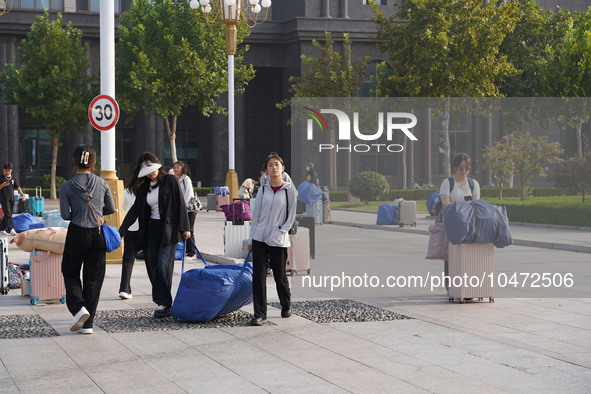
[
  {"x": 187, "y": 152},
  {"x": 459, "y": 142},
  {"x": 368, "y": 87},
  {"x": 36, "y": 153},
  {"x": 378, "y": 2},
  {"x": 94, "y": 5},
  {"x": 57, "y": 5}
]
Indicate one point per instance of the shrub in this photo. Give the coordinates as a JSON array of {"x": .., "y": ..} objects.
[
  {"x": 368, "y": 186},
  {"x": 203, "y": 191},
  {"x": 575, "y": 174},
  {"x": 45, "y": 182},
  {"x": 338, "y": 196}
]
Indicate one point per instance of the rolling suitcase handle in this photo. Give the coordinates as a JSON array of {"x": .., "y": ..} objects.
[{"x": 38, "y": 193}]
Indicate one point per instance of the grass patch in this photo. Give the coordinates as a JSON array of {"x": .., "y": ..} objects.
[
  {"x": 372, "y": 206},
  {"x": 559, "y": 210}
]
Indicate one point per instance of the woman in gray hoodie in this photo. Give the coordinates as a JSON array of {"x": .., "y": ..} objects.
[
  {"x": 81, "y": 198},
  {"x": 272, "y": 217}
]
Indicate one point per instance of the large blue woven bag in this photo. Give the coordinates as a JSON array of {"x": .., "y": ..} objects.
[{"x": 214, "y": 290}]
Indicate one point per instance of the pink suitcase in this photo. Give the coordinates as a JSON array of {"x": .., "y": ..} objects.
[
  {"x": 47, "y": 281},
  {"x": 298, "y": 254},
  {"x": 221, "y": 200},
  {"x": 471, "y": 260}
]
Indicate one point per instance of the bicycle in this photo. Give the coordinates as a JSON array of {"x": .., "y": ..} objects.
[{"x": 415, "y": 185}]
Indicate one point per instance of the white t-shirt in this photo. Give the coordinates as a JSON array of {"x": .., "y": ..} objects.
[
  {"x": 152, "y": 201},
  {"x": 459, "y": 191}
]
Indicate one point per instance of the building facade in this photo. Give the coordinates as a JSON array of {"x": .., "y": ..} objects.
[{"x": 275, "y": 50}]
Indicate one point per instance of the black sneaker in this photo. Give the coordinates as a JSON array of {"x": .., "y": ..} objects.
[
  {"x": 258, "y": 321},
  {"x": 285, "y": 313},
  {"x": 162, "y": 311}
]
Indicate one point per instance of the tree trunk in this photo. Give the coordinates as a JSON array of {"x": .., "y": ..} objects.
[
  {"x": 404, "y": 169},
  {"x": 54, "y": 145},
  {"x": 171, "y": 131},
  {"x": 446, "y": 145},
  {"x": 333, "y": 164},
  {"x": 579, "y": 142}
]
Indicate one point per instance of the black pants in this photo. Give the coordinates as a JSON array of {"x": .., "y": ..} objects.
[
  {"x": 190, "y": 248},
  {"x": 129, "y": 251},
  {"x": 7, "y": 209},
  {"x": 276, "y": 257},
  {"x": 84, "y": 250},
  {"x": 161, "y": 263}
]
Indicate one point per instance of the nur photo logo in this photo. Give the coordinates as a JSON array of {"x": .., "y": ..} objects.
[{"x": 388, "y": 123}]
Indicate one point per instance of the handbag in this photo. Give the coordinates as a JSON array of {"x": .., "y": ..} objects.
[
  {"x": 194, "y": 205},
  {"x": 111, "y": 234},
  {"x": 438, "y": 241}
]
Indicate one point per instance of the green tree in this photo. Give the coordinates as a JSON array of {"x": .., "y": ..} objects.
[
  {"x": 332, "y": 74},
  {"x": 447, "y": 49},
  {"x": 574, "y": 174},
  {"x": 525, "y": 47},
  {"x": 497, "y": 159},
  {"x": 52, "y": 84},
  {"x": 368, "y": 186},
  {"x": 171, "y": 57},
  {"x": 530, "y": 156},
  {"x": 568, "y": 70}
]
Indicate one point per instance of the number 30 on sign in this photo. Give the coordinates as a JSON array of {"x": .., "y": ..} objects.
[{"x": 103, "y": 112}]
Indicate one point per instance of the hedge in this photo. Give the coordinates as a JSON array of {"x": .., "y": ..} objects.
[
  {"x": 569, "y": 211},
  {"x": 487, "y": 192}
]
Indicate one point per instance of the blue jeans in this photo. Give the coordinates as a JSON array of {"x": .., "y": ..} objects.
[{"x": 161, "y": 262}]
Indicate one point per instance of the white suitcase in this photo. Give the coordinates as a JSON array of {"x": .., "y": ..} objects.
[
  {"x": 298, "y": 254},
  {"x": 234, "y": 235},
  {"x": 4, "y": 266},
  {"x": 407, "y": 213},
  {"x": 468, "y": 262},
  {"x": 315, "y": 210}
]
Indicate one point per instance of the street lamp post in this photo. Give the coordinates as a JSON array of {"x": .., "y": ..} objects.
[
  {"x": 108, "y": 168},
  {"x": 230, "y": 13}
]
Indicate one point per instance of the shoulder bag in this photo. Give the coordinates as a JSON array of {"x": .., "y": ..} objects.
[{"x": 112, "y": 237}]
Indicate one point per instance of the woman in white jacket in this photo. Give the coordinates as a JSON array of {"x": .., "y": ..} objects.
[
  {"x": 272, "y": 217},
  {"x": 183, "y": 174}
]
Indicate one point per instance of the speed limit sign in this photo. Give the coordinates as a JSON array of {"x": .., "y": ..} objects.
[{"x": 103, "y": 112}]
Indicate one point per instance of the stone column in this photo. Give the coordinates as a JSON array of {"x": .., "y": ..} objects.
[
  {"x": 345, "y": 9},
  {"x": 325, "y": 12}
]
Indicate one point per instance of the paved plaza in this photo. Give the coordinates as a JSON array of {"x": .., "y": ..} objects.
[{"x": 516, "y": 344}]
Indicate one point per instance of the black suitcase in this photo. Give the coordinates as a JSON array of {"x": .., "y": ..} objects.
[
  {"x": 308, "y": 222},
  {"x": 22, "y": 206},
  {"x": 4, "y": 266}
]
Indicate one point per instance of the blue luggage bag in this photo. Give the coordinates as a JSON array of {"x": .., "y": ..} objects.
[
  {"x": 37, "y": 204},
  {"x": 387, "y": 214},
  {"x": 214, "y": 290}
]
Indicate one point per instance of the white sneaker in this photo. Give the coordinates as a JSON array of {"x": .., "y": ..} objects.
[
  {"x": 79, "y": 319},
  {"x": 125, "y": 296},
  {"x": 85, "y": 331},
  {"x": 12, "y": 232}
]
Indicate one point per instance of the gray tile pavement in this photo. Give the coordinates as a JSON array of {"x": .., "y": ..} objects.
[{"x": 511, "y": 345}]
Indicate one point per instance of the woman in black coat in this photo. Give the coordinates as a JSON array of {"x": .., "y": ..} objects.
[{"x": 163, "y": 222}]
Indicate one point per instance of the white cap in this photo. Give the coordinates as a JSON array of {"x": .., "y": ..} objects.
[{"x": 147, "y": 168}]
